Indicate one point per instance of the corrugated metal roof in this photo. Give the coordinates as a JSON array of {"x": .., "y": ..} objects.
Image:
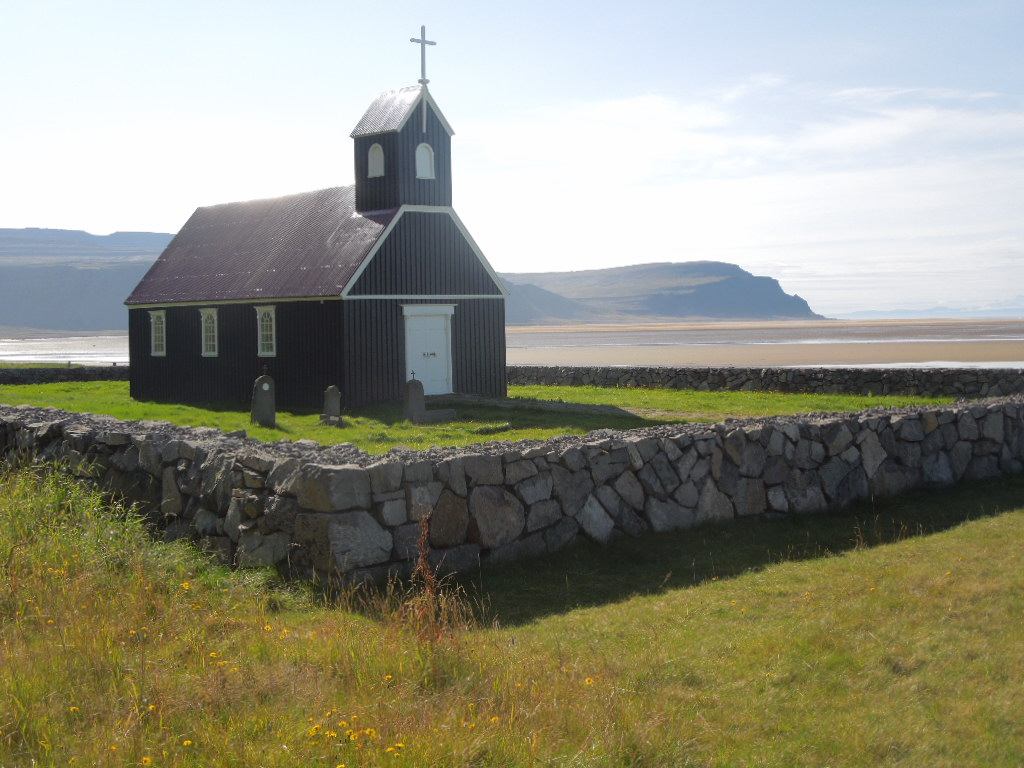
[
  {"x": 391, "y": 109},
  {"x": 388, "y": 111},
  {"x": 298, "y": 246}
]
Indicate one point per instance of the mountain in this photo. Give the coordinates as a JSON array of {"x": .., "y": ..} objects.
[
  {"x": 1009, "y": 309},
  {"x": 70, "y": 280},
  {"x": 74, "y": 281},
  {"x": 650, "y": 292}
]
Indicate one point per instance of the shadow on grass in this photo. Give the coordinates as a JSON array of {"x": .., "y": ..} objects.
[
  {"x": 592, "y": 575},
  {"x": 517, "y": 415}
]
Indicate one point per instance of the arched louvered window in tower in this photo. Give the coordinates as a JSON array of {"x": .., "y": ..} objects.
[
  {"x": 375, "y": 164},
  {"x": 424, "y": 162}
]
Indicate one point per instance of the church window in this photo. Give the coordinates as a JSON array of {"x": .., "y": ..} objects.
[
  {"x": 376, "y": 162},
  {"x": 424, "y": 162},
  {"x": 266, "y": 325},
  {"x": 208, "y": 325},
  {"x": 158, "y": 333}
]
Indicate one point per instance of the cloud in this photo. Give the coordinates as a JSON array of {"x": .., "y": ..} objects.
[{"x": 912, "y": 191}]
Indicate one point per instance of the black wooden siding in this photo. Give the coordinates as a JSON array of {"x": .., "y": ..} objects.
[
  {"x": 399, "y": 185},
  {"x": 309, "y": 355},
  {"x": 426, "y": 254},
  {"x": 359, "y": 345}
]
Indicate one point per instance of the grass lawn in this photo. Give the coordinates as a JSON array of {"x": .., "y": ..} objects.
[
  {"x": 886, "y": 635},
  {"x": 378, "y": 428}
]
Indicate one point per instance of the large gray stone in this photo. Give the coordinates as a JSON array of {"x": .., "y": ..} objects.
[
  {"x": 594, "y": 521},
  {"x": 481, "y": 469},
  {"x": 871, "y": 452},
  {"x": 630, "y": 489},
  {"x": 170, "y": 502},
  {"x": 626, "y": 519},
  {"x": 279, "y": 514},
  {"x": 449, "y": 521},
  {"x": 356, "y": 541},
  {"x": 561, "y": 534},
  {"x": 258, "y": 551},
  {"x": 648, "y": 477},
  {"x": 571, "y": 488},
  {"x": 452, "y": 474},
  {"x": 328, "y": 488},
  {"x": 535, "y": 489},
  {"x": 714, "y": 505},
  {"x": 937, "y": 469},
  {"x": 385, "y": 476},
  {"x": 542, "y": 514},
  {"x": 893, "y": 478},
  {"x": 992, "y": 426},
  {"x": 422, "y": 498},
  {"x": 668, "y": 516},
  {"x": 517, "y": 471},
  {"x": 749, "y": 498},
  {"x": 496, "y": 516},
  {"x": 604, "y": 467},
  {"x": 666, "y": 474}
]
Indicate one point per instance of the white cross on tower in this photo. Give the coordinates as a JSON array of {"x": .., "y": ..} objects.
[{"x": 423, "y": 43}]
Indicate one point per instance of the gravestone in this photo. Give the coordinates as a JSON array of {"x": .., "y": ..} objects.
[
  {"x": 264, "y": 412},
  {"x": 416, "y": 407},
  {"x": 332, "y": 407}
]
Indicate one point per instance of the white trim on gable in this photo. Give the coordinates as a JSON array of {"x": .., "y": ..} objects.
[
  {"x": 435, "y": 209},
  {"x": 425, "y": 94}
]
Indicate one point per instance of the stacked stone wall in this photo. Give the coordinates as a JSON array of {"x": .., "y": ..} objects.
[
  {"x": 927, "y": 382},
  {"x": 336, "y": 511},
  {"x": 11, "y": 376}
]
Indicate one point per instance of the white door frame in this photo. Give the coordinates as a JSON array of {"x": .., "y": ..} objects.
[{"x": 413, "y": 311}]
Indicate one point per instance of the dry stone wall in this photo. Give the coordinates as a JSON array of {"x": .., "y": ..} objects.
[
  {"x": 337, "y": 511},
  {"x": 927, "y": 382}
]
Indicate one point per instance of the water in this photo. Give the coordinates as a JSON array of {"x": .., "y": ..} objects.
[{"x": 81, "y": 350}]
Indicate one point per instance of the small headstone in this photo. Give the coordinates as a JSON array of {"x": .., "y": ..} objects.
[
  {"x": 416, "y": 407},
  {"x": 264, "y": 413},
  {"x": 332, "y": 407}
]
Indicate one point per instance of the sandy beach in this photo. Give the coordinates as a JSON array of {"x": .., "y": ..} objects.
[
  {"x": 982, "y": 343},
  {"x": 948, "y": 343}
]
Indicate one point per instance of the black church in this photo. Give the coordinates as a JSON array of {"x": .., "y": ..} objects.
[{"x": 363, "y": 287}]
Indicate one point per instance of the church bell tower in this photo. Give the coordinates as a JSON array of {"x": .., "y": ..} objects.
[{"x": 402, "y": 148}]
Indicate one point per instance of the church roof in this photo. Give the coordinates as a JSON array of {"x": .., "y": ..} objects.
[
  {"x": 390, "y": 111},
  {"x": 297, "y": 246}
]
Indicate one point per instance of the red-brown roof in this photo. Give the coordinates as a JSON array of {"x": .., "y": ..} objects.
[{"x": 299, "y": 246}]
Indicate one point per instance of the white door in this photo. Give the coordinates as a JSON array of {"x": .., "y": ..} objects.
[{"x": 428, "y": 346}]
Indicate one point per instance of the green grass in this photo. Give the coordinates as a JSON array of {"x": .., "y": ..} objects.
[
  {"x": 888, "y": 635},
  {"x": 6, "y": 364},
  {"x": 713, "y": 406},
  {"x": 378, "y": 428}
]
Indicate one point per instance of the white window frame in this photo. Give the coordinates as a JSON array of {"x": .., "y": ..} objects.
[
  {"x": 424, "y": 161},
  {"x": 208, "y": 341},
  {"x": 375, "y": 161},
  {"x": 158, "y": 333},
  {"x": 262, "y": 349}
]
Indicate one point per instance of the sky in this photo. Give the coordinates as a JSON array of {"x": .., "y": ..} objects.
[{"x": 867, "y": 154}]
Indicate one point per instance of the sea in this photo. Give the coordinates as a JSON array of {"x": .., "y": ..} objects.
[{"x": 113, "y": 349}]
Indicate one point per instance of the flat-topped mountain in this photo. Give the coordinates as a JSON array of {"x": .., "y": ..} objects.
[
  {"x": 649, "y": 292},
  {"x": 75, "y": 281},
  {"x": 71, "y": 280}
]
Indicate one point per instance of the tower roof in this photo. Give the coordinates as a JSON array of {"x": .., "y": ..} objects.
[{"x": 390, "y": 111}]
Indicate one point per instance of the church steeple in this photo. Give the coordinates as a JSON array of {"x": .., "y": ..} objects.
[{"x": 403, "y": 148}]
